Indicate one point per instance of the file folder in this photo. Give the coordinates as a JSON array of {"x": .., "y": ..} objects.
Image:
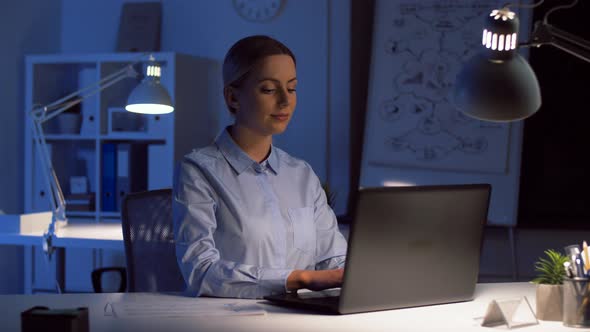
[{"x": 109, "y": 177}]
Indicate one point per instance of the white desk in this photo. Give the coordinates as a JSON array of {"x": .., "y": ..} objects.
[
  {"x": 456, "y": 317},
  {"x": 71, "y": 236},
  {"x": 97, "y": 236}
]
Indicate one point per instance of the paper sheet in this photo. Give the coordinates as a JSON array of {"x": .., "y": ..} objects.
[{"x": 163, "y": 309}]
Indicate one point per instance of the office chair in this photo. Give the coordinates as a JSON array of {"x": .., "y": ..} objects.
[
  {"x": 149, "y": 242},
  {"x": 149, "y": 246},
  {"x": 97, "y": 274}
]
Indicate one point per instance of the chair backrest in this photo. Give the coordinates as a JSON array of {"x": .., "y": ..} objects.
[{"x": 149, "y": 242}]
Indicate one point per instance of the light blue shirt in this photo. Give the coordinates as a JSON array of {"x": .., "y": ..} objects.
[{"x": 241, "y": 227}]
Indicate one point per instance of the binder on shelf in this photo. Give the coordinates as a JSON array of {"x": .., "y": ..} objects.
[
  {"x": 131, "y": 170},
  {"x": 109, "y": 177},
  {"x": 86, "y": 77},
  {"x": 123, "y": 188},
  {"x": 40, "y": 200}
]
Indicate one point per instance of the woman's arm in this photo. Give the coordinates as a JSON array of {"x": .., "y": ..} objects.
[
  {"x": 331, "y": 245},
  {"x": 330, "y": 248},
  {"x": 315, "y": 280},
  {"x": 203, "y": 268}
]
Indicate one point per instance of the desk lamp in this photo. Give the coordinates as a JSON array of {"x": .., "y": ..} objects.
[
  {"x": 498, "y": 84},
  {"x": 149, "y": 97}
]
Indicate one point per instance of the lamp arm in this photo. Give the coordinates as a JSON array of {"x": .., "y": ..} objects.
[
  {"x": 546, "y": 34},
  {"x": 39, "y": 140},
  {"x": 53, "y": 109},
  {"x": 570, "y": 43},
  {"x": 40, "y": 115}
]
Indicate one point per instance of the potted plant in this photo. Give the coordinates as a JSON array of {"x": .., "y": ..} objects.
[{"x": 549, "y": 282}]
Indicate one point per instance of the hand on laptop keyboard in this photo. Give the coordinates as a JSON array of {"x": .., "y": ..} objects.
[{"x": 315, "y": 280}]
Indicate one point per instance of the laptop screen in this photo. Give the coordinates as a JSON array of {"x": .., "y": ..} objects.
[{"x": 412, "y": 246}]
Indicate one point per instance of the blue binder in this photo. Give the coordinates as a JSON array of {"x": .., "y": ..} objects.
[
  {"x": 109, "y": 177},
  {"x": 132, "y": 174}
]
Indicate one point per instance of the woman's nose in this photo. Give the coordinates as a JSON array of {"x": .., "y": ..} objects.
[{"x": 283, "y": 98}]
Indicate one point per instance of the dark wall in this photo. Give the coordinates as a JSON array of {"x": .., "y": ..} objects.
[
  {"x": 27, "y": 27},
  {"x": 361, "y": 32},
  {"x": 555, "y": 172}
]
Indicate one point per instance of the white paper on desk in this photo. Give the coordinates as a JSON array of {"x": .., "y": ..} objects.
[{"x": 184, "y": 309}]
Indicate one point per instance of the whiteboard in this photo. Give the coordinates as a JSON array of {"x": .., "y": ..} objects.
[{"x": 414, "y": 135}]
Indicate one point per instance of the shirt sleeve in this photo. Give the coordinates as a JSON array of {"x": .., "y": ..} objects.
[
  {"x": 331, "y": 244},
  {"x": 203, "y": 268}
]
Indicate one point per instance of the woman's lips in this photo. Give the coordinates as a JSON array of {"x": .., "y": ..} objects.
[{"x": 280, "y": 117}]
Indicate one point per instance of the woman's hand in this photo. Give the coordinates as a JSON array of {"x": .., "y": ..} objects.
[{"x": 315, "y": 280}]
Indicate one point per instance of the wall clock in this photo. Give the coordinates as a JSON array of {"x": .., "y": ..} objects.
[{"x": 258, "y": 10}]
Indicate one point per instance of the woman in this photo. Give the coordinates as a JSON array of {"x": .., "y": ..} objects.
[{"x": 249, "y": 219}]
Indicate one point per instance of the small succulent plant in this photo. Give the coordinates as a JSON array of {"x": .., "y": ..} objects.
[{"x": 550, "y": 270}]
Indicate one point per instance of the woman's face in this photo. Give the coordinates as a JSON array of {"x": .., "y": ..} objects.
[{"x": 266, "y": 100}]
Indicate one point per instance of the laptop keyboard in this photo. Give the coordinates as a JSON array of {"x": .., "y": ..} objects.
[
  {"x": 329, "y": 297},
  {"x": 326, "y": 300},
  {"x": 321, "y": 294}
]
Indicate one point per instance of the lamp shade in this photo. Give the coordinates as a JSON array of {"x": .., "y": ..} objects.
[
  {"x": 150, "y": 97},
  {"x": 499, "y": 91},
  {"x": 498, "y": 84}
]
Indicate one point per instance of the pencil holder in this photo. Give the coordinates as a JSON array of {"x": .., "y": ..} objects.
[{"x": 576, "y": 302}]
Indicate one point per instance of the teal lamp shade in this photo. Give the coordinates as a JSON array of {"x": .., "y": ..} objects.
[
  {"x": 150, "y": 97},
  {"x": 498, "y": 84}
]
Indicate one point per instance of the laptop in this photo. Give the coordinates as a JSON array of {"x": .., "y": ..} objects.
[{"x": 408, "y": 247}]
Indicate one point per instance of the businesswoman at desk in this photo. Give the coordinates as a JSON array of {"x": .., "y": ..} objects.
[{"x": 249, "y": 219}]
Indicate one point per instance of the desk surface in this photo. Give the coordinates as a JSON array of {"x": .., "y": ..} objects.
[
  {"x": 457, "y": 317},
  {"x": 99, "y": 236}
]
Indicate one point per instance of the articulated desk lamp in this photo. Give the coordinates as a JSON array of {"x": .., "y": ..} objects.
[
  {"x": 149, "y": 97},
  {"x": 498, "y": 84}
]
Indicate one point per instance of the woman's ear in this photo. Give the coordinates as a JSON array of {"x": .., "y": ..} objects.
[{"x": 231, "y": 98}]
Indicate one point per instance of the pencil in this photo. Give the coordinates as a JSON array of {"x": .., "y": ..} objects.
[{"x": 586, "y": 260}]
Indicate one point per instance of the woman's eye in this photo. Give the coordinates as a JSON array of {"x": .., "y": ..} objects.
[
  {"x": 291, "y": 90},
  {"x": 268, "y": 91}
]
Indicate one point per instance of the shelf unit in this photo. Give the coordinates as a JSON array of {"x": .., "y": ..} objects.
[
  {"x": 78, "y": 150},
  {"x": 78, "y": 153}
]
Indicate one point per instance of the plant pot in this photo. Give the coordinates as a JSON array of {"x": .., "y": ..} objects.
[{"x": 549, "y": 302}]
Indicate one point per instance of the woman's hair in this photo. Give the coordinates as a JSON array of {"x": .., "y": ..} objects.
[{"x": 245, "y": 54}]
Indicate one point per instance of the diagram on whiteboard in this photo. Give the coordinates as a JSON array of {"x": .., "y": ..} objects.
[{"x": 418, "y": 49}]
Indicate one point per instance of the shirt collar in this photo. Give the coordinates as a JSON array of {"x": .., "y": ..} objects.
[
  {"x": 273, "y": 159},
  {"x": 238, "y": 159}
]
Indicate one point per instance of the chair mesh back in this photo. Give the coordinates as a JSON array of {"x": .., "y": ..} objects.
[{"x": 149, "y": 242}]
